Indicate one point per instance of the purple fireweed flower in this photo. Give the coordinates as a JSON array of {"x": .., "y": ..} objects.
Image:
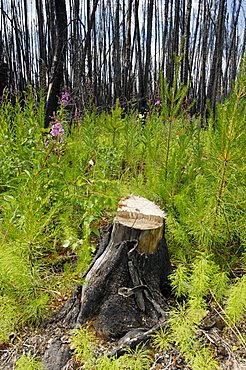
[
  {"x": 65, "y": 98},
  {"x": 56, "y": 129},
  {"x": 57, "y": 125},
  {"x": 55, "y": 132},
  {"x": 55, "y": 138},
  {"x": 158, "y": 103}
]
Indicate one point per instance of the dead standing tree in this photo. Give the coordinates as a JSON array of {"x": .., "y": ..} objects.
[
  {"x": 56, "y": 82},
  {"x": 215, "y": 78},
  {"x": 124, "y": 288}
]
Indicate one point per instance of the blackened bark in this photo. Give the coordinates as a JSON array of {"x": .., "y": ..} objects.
[
  {"x": 139, "y": 58},
  {"x": 204, "y": 59},
  {"x": 27, "y": 41},
  {"x": 87, "y": 41},
  {"x": 58, "y": 60},
  {"x": 148, "y": 45},
  {"x": 216, "y": 68},
  {"x": 232, "y": 53},
  {"x": 42, "y": 44},
  {"x": 165, "y": 34},
  {"x": 175, "y": 41},
  {"x": 127, "y": 63},
  {"x": 116, "y": 51},
  {"x": 169, "y": 58},
  {"x": 186, "y": 67},
  {"x": 3, "y": 71}
]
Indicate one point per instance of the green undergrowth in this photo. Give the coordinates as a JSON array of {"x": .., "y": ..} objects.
[
  {"x": 55, "y": 195},
  {"x": 84, "y": 345},
  {"x": 28, "y": 362}
]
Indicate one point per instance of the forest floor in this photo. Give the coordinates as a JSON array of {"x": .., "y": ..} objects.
[{"x": 222, "y": 341}]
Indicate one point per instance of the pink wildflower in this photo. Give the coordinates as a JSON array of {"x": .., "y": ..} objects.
[{"x": 65, "y": 98}]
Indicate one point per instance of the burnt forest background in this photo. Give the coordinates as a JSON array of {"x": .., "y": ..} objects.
[{"x": 104, "y": 50}]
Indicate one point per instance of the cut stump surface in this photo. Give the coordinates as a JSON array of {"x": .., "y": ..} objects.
[{"x": 137, "y": 216}]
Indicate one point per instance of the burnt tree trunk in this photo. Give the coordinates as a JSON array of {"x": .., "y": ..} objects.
[
  {"x": 124, "y": 288},
  {"x": 57, "y": 77}
]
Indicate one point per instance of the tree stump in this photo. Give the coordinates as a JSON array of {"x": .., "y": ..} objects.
[
  {"x": 123, "y": 295},
  {"x": 125, "y": 286}
]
